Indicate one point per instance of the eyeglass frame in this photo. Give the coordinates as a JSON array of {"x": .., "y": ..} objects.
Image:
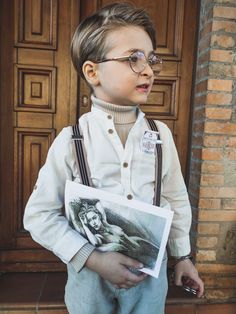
[{"x": 128, "y": 58}]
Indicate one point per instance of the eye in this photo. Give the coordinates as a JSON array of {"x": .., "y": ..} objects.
[
  {"x": 134, "y": 57},
  {"x": 154, "y": 59}
]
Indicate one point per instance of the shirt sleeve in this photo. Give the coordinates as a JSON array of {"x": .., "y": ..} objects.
[
  {"x": 175, "y": 193},
  {"x": 44, "y": 217}
]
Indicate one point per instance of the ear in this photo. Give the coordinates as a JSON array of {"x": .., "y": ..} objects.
[{"x": 90, "y": 70}]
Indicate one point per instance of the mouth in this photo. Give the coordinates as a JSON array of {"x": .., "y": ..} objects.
[{"x": 143, "y": 88}]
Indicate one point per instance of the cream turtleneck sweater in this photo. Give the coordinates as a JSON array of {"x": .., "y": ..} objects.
[{"x": 124, "y": 117}]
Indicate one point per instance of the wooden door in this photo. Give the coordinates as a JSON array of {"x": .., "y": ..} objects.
[{"x": 38, "y": 96}]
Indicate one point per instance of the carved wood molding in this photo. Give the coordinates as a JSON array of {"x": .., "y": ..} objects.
[
  {"x": 34, "y": 88},
  {"x": 36, "y": 23}
]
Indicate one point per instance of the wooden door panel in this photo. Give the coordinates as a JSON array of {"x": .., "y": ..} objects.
[
  {"x": 36, "y": 23},
  {"x": 34, "y": 88},
  {"x": 167, "y": 17},
  {"x": 31, "y": 147}
]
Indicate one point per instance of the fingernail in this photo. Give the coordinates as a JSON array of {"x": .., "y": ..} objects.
[{"x": 140, "y": 266}]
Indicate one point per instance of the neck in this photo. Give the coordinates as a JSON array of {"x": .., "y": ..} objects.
[
  {"x": 121, "y": 114},
  {"x": 124, "y": 117}
]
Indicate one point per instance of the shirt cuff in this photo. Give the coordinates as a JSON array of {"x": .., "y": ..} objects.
[
  {"x": 81, "y": 257},
  {"x": 179, "y": 247}
]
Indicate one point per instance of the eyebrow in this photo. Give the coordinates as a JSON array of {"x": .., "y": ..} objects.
[{"x": 135, "y": 50}]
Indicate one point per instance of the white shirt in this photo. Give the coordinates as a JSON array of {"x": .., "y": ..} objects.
[{"x": 44, "y": 216}]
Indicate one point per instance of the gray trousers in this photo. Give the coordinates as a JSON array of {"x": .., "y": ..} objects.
[{"x": 87, "y": 293}]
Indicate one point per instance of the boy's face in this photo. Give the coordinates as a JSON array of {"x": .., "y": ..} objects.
[{"x": 117, "y": 83}]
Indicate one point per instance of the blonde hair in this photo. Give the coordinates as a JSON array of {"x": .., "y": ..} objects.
[{"x": 89, "y": 40}]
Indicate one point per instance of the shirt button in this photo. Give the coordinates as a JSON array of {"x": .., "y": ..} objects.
[
  {"x": 110, "y": 131},
  {"x": 125, "y": 164},
  {"x": 109, "y": 116},
  {"x": 129, "y": 196}
]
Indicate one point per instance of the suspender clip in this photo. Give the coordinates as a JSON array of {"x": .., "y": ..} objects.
[{"x": 77, "y": 137}]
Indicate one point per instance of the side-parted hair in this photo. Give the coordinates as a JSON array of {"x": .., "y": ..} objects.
[{"x": 89, "y": 40}]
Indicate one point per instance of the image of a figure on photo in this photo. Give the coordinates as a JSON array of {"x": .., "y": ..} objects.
[{"x": 89, "y": 218}]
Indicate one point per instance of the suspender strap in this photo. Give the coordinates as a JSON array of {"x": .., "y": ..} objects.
[
  {"x": 84, "y": 169},
  {"x": 81, "y": 155},
  {"x": 158, "y": 167}
]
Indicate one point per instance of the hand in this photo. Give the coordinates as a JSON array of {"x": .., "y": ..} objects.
[
  {"x": 112, "y": 266},
  {"x": 186, "y": 269}
]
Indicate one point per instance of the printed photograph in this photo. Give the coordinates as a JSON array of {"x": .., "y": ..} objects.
[{"x": 113, "y": 223}]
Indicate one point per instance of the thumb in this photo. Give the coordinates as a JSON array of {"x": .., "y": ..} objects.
[{"x": 178, "y": 279}]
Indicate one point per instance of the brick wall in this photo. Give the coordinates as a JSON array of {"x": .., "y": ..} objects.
[{"x": 212, "y": 184}]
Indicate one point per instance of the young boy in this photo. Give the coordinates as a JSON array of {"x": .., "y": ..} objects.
[{"x": 114, "y": 51}]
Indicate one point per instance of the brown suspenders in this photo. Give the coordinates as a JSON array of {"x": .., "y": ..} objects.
[{"x": 84, "y": 169}]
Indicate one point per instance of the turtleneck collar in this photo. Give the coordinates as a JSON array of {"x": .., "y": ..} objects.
[{"x": 121, "y": 114}]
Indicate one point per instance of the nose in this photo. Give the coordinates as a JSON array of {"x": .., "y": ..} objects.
[{"x": 147, "y": 70}]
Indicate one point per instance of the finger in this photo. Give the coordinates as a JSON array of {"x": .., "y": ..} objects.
[
  {"x": 122, "y": 286},
  {"x": 130, "y": 262},
  {"x": 200, "y": 289},
  {"x": 135, "y": 278}
]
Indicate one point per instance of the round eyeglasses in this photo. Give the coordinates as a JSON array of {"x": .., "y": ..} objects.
[{"x": 138, "y": 61}]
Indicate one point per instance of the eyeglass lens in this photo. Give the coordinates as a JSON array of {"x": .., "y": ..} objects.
[{"x": 138, "y": 62}]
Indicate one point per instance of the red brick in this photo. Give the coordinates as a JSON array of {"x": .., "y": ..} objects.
[
  {"x": 225, "y": 12},
  {"x": 208, "y": 203},
  {"x": 206, "y": 242},
  {"x": 212, "y": 180},
  {"x": 196, "y": 153},
  {"x": 229, "y": 203},
  {"x": 220, "y": 85},
  {"x": 207, "y": 28},
  {"x": 231, "y": 154},
  {"x": 219, "y": 282},
  {"x": 198, "y": 126},
  {"x": 212, "y": 154},
  {"x": 199, "y": 114},
  {"x": 225, "y": 1},
  {"x": 212, "y": 167},
  {"x": 204, "y": 57},
  {"x": 218, "y": 113},
  {"x": 222, "y": 41},
  {"x": 202, "y": 72},
  {"x": 221, "y": 55},
  {"x": 216, "y": 268},
  {"x": 227, "y": 26},
  {"x": 231, "y": 142},
  {"x": 217, "y": 215},
  {"x": 218, "y": 99},
  {"x": 214, "y": 141},
  {"x": 220, "y": 69},
  {"x": 199, "y": 100},
  {"x": 208, "y": 228},
  {"x": 197, "y": 140},
  {"x": 220, "y": 128},
  {"x": 218, "y": 295},
  {"x": 201, "y": 87},
  {"x": 205, "y": 256},
  {"x": 204, "y": 43},
  {"x": 218, "y": 192}
]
